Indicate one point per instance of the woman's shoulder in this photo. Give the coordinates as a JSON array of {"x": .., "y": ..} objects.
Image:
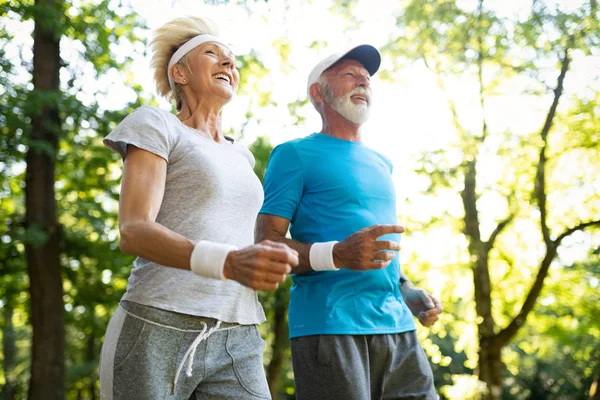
[
  {"x": 145, "y": 127},
  {"x": 148, "y": 114},
  {"x": 150, "y": 120}
]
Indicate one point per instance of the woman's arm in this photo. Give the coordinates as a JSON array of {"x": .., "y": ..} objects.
[{"x": 142, "y": 193}]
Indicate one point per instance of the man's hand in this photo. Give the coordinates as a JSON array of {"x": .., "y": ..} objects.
[
  {"x": 360, "y": 250},
  {"x": 262, "y": 266},
  {"x": 423, "y": 305}
]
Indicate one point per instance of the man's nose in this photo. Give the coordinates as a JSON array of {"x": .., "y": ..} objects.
[{"x": 364, "y": 81}]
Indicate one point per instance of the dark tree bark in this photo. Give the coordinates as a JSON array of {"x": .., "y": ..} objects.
[
  {"x": 280, "y": 342},
  {"x": 47, "y": 313},
  {"x": 91, "y": 354},
  {"x": 9, "y": 348}
]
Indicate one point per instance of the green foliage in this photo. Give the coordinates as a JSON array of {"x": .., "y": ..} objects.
[
  {"x": 261, "y": 149},
  {"x": 558, "y": 354}
]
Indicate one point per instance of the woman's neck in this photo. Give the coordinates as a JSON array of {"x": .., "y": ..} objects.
[{"x": 204, "y": 118}]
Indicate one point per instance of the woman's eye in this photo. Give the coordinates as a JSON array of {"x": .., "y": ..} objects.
[{"x": 210, "y": 52}]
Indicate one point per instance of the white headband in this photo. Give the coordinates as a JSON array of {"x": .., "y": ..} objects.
[{"x": 186, "y": 48}]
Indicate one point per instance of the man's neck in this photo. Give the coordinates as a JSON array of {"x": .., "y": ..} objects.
[{"x": 339, "y": 127}]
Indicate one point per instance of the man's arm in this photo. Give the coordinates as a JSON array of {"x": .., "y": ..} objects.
[
  {"x": 271, "y": 227},
  {"x": 359, "y": 251},
  {"x": 422, "y": 304}
]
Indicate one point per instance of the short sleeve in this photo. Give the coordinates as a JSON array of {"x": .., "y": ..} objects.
[
  {"x": 284, "y": 182},
  {"x": 144, "y": 128},
  {"x": 388, "y": 163}
]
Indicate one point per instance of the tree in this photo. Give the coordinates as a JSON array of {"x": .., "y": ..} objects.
[
  {"x": 38, "y": 118},
  {"x": 471, "y": 44},
  {"x": 47, "y": 312}
]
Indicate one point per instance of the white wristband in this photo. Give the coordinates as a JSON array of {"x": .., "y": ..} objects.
[
  {"x": 208, "y": 259},
  {"x": 321, "y": 256}
]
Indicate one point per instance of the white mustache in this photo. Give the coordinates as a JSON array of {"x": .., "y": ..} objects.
[{"x": 361, "y": 90}]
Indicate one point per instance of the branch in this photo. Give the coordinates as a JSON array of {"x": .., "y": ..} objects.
[
  {"x": 574, "y": 229},
  {"x": 505, "y": 335},
  {"x": 480, "y": 72},
  {"x": 469, "y": 198},
  {"x": 540, "y": 179},
  {"x": 490, "y": 243}
]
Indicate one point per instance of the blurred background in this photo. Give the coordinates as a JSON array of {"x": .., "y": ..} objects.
[{"x": 489, "y": 110}]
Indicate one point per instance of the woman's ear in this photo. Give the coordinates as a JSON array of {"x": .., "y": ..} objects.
[{"x": 178, "y": 74}]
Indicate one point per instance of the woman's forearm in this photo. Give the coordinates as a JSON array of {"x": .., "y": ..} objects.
[{"x": 154, "y": 242}]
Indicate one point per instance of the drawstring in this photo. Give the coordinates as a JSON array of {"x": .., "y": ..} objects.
[{"x": 191, "y": 352}]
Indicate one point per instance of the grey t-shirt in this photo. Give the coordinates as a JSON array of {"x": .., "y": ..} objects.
[{"x": 211, "y": 193}]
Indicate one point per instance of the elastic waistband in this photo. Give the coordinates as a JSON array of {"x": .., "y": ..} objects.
[{"x": 171, "y": 319}]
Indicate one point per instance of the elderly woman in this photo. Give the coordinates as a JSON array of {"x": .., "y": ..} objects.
[{"x": 186, "y": 327}]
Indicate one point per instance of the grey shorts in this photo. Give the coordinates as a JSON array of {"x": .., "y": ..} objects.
[
  {"x": 147, "y": 351},
  {"x": 361, "y": 367}
]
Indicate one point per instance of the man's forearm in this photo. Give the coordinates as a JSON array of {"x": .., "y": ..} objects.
[
  {"x": 303, "y": 249},
  {"x": 405, "y": 282}
]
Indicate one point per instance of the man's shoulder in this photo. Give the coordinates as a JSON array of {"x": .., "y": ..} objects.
[
  {"x": 296, "y": 145},
  {"x": 299, "y": 141}
]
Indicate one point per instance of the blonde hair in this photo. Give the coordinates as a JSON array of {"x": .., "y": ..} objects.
[{"x": 165, "y": 42}]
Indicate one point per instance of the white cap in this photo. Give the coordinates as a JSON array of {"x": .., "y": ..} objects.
[{"x": 365, "y": 54}]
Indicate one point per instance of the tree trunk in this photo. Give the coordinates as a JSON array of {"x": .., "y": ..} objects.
[
  {"x": 491, "y": 368},
  {"x": 280, "y": 342},
  {"x": 47, "y": 313},
  {"x": 595, "y": 395},
  {"x": 91, "y": 358},
  {"x": 10, "y": 351}
]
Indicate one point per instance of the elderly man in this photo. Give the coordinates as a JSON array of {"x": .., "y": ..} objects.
[{"x": 350, "y": 317}]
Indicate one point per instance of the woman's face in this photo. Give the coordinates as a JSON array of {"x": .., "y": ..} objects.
[{"x": 213, "y": 71}]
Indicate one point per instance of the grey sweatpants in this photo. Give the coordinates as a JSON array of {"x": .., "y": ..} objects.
[
  {"x": 361, "y": 367},
  {"x": 146, "y": 355}
]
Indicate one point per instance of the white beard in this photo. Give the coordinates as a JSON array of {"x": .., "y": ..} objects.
[{"x": 356, "y": 113}]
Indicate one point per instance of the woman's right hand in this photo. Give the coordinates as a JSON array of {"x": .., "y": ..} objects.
[{"x": 262, "y": 266}]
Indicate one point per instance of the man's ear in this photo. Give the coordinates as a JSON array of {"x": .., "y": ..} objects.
[
  {"x": 315, "y": 93},
  {"x": 178, "y": 74}
]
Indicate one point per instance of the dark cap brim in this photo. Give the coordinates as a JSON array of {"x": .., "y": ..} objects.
[{"x": 367, "y": 55}]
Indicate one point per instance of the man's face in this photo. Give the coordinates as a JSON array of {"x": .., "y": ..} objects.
[{"x": 346, "y": 88}]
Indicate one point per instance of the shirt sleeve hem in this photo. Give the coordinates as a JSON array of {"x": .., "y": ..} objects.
[
  {"x": 119, "y": 145},
  {"x": 276, "y": 213}
]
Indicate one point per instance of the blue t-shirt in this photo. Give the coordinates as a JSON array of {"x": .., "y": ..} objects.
[{"x": 328, "y": 189}]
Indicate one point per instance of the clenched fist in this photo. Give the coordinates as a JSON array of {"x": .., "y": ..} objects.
[
  {"x": 360, "y": 250},
  {"x": 262, "y": 266}
]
